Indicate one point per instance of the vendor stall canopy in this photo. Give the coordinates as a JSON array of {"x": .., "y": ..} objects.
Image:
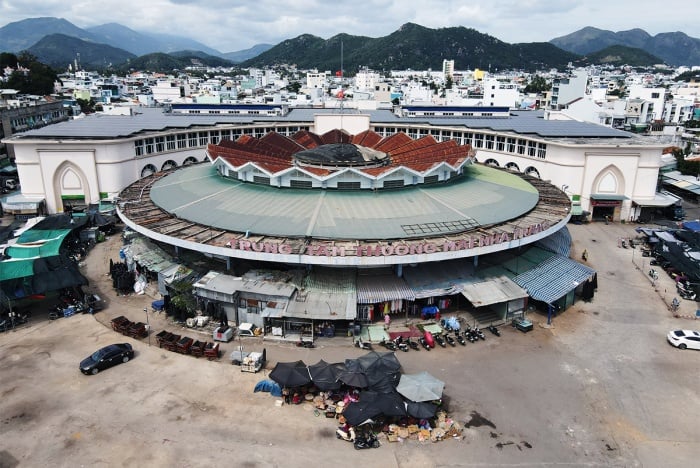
[{"x": 36, "y": 264}]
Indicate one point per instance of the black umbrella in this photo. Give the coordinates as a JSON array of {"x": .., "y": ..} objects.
[
  {"x": 421, "y": 410},
  {"x": 324, "y": 375},
  {"x": 290, "y": 374},
  {"x": 359, "y": 412},
  {"x": 383, "y": 361},
  {"x": 356, "y": 379},
  {"x": 372, "y": 404},
  {"x": 390, "y": 404},
  {"x": 382, "y": 370}
]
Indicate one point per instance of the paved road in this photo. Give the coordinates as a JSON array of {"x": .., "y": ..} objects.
[{"x": 599, "y": 388}]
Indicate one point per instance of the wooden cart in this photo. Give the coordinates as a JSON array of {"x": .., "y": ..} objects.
[
  {"x": 183, "y": 345},
  {"x": 137, "y": 330},
  {"x": 197, "y": 348},
  {"x": 172, "y": 344},
  {"x": 163, "y": 337},
  {"x": 121, "y": 324},
  {"x": 211, "y": 350}
]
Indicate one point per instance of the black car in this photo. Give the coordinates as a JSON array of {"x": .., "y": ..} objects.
[{"x": 106, "y": 357}]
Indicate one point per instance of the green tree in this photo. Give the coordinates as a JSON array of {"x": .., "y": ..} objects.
[
  {"x": 537, "y": 85},
  {"x": 39, "y": 78},
  {"x": 86, "y": 106},
  {"x": 293, "y": 87},
  {"x": 183, "y": 300}
]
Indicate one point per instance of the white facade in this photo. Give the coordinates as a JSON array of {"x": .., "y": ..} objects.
[
  {"x": 566, "y": 90},
  {"x": 53, "y": 168},
  {"x": 654, "y": 97},
  {"x": 316, "y": 80},
  {"x": 171, "y": 91},
  {"x": 367, "y": 80},
  {"x": 498, "y": 93},
  {"x": 448, "y": 69}
]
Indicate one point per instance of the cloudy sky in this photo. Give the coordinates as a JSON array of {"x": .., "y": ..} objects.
[{"x": 228, "y": 25}]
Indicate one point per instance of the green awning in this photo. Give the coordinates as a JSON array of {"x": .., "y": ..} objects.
[{"x": 608, "y": 196}]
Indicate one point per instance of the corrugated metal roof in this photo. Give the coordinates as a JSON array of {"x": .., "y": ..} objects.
[
  {"x": 485, "y": 196},
  {"x": 438, "y": 279},
  {"x": 253, "y": 283},
  {"x": 145, "y": 119},
  {"x": 148, "y": 255},
  {"x": 372, "y": 289},
  {"x": 331, "y": 280},
  {"x": 660, "y": 199},
  {"x": 322, "y": 306},
  {"x": 559, "y": 242},
  {"x": 493, "y": 291},
  {"x": 553, "y": 278}
]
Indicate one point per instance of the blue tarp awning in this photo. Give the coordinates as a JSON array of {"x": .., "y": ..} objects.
[{"x": 553, "y": 278}]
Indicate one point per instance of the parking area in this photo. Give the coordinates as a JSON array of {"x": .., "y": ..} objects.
[{"x": 600, "y": 387}]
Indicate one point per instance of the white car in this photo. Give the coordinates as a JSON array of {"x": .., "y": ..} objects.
[{"x": 684, "y": 339}]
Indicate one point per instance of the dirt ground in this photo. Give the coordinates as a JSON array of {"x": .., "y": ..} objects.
[{"x": 600, "y": 387}]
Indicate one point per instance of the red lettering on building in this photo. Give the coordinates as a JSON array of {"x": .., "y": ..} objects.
[{"x": 401, "y": 249}]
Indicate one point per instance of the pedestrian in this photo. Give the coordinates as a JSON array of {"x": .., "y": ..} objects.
[
  {"x": 387, "y": 321},
  {"x": 584, "y": 255}
]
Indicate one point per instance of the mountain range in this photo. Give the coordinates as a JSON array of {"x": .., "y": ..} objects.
[
  {"x": 58, "y": 42},
  {"x": 675, "y": 48}
]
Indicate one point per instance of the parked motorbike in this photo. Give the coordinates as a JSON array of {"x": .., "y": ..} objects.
[
  {"x": 347, "y": 434},
  {"x": 479, "y": 333},
  {"x": 365, "y": 441},
  {"x": 305, "y": 344},
  {"x": 470, "y": 335},
  {"x": 450, "y": 340},
  {"x": 653, "y": 274},
  {"x": 494, "y": 330},
  {"x": 460, "y": 339},
  {"x": 424, "y": 343},
  {"x": 398, "y": 341},
  {"x": 685, "y": 291},
  {"x": 363, "y": 344},
  {"x": 390, "y": 345},
  {"x": 412, "y": 344},
  {"x": 440, "y": 340}
]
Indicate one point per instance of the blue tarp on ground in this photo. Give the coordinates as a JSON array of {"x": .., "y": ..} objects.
[
  {"x": 268, "y": 386},
  {"x": 691, "y": 225}
]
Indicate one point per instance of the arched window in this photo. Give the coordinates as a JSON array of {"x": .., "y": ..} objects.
[
  {"x": 492, "y": 162},
  {"x": 148, "y": 170},
  {"x": 512, "y": 167},
  {"x": 189, "y": 160},
  {"x": 169, "y": 164},
  {"x": 531, "y": 171}
]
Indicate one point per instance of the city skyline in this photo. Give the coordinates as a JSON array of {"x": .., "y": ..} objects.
[{"x": 232, "y": 26}]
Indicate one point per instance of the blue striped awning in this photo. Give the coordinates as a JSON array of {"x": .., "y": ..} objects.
[
  {"x": 559, "y": 242},
  {"x": 372, "y": 289},
  {"x": 554, "y": 278}
]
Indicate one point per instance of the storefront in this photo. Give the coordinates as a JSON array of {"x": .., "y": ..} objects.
[{"x": 606, "y": 206}]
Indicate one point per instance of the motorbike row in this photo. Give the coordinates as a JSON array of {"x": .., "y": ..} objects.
[
  {"x": 12, "y": 320},
  {"x": 683, "y": 286},
  {"x": 450, "y": 337}
]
